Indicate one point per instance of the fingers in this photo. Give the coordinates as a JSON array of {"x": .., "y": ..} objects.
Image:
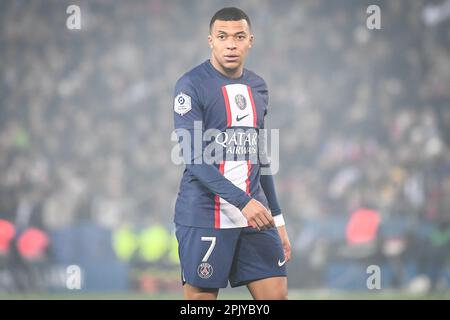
[
  {"x": 263, "y": 222},
  {"x": 270, "y": 219},
  {"x": 267, "y": 218},
  {"x": 260, "y": 224},
  {"x": 287, "y": 253},
  {"x": 287, "y": 249},
  {"x": 253, "y": 224},
  {"x": 258, "y": 216}
]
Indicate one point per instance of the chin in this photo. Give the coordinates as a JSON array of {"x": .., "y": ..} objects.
[{"x": 232, "y": 65}]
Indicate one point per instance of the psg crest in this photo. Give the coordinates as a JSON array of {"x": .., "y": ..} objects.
[
  {"x": 240, "y": 101},
  {"x": 204, "y": 270}
]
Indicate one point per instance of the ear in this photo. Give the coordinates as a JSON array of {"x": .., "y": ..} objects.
[
  {"x": 251, "y": 41},
  {"x": 210, "y": 41}
]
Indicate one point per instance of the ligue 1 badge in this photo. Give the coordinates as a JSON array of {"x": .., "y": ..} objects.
[
  {"x": 182, "y": 104},
  {"x": 204, "y": 270},
  {"x": 240, "y": 101}
]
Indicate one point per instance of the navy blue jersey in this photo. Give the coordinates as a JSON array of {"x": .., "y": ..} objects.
[{"x": 213, "y": 195}]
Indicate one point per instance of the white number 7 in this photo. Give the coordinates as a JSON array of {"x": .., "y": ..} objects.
[{"x": 211, "y": 247}]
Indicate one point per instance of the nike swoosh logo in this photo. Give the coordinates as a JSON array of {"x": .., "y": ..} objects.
[
  {"x": 281, "y": 263},
  {"x": 239, "y": 119}
]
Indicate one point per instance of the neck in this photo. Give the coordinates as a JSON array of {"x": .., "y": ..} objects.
[{"x": 230, "y": 73}]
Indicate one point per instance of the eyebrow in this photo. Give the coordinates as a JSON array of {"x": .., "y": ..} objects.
[{"x": 237, "y": 33}]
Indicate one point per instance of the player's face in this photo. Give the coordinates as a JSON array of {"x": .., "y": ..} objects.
[{"x": 230, "y": 41}]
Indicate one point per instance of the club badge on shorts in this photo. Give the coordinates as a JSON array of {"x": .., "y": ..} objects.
[
  {"x": 182, "y": 104},
  {"x": 204, "y": 270}
]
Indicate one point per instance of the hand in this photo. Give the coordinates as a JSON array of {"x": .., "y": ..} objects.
[
  {"x": 285, "y": 242},
  {"x": 257, "y": 215}
]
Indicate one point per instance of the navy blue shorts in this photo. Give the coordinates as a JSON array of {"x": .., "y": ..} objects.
[{"x": 211, "y": 257}]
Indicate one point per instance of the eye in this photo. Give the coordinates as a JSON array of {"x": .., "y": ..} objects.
[
  {"x": 221, "y": 36},
  {"x": 241, "y": 37}
]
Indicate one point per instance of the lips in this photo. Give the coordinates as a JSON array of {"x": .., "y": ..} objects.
[{"x": 231, "y": 58}]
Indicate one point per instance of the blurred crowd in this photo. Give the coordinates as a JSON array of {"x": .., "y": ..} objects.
[{"x": 86, "y": 115}]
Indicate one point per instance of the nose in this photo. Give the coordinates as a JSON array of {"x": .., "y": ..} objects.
[{"x": 231, "y": 44}]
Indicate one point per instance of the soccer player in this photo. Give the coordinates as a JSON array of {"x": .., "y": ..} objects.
[{"x": 229, "y": 224}]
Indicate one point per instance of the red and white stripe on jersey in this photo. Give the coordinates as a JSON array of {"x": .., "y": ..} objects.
[
  {"x": 241, "y": 109},
  {"x": 241, "y": 112},
  {"x": 227, "y": 215}
]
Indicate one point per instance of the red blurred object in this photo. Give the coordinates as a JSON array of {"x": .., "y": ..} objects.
[
  {"x": 363, "y": 226},
  {"x": 7, "y": 233},
  {"x": 33, "y": 243}
]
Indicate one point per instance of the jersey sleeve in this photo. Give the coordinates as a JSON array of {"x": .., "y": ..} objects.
[
  {"x": 188, "y": 108},
  {"x": 268, "y": 186},
  {"x": 186, "y": 105},
  {"x": 266, "y": 180},
  {"x": 263, "y": 91}
]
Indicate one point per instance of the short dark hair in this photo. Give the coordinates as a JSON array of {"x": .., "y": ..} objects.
[{"x": 230, "y": 14}]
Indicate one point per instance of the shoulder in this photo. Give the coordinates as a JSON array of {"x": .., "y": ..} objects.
[
  {"x": 256, "y": 81},
  {"x": 192, "y": 77},
  {"x": 190, "y": 83},
  {"x": 258, "y": 84}
]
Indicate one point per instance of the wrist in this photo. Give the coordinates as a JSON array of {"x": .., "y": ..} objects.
[
  {"x": 243, "y": 201},
  {"x": 279, "y": 220}
]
